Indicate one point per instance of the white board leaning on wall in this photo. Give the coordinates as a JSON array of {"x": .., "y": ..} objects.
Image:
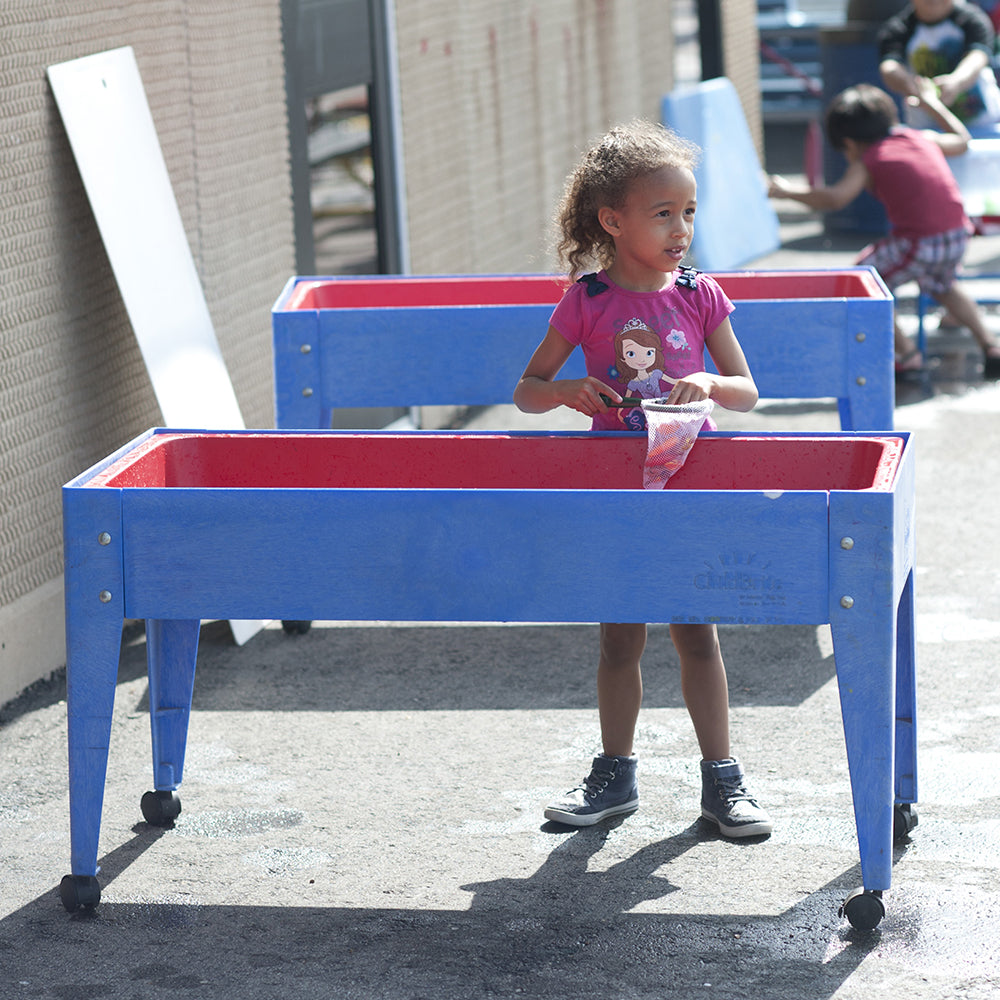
[{"x": 111, "y": 132}]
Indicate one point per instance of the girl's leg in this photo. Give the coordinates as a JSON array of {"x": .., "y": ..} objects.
[
  {"x": 610, "y": 789},
  {"x": 619, "y": 685},
  {"x": 704, "y": 685},
  {"x": 724, "y": 796}
]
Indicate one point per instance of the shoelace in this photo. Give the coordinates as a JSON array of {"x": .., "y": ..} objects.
[
  {"x": 596, "y": 782},
  {"x": 733, "y": 790}
]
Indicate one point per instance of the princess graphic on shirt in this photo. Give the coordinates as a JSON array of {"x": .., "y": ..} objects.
[{"x": 639, "y": 360}]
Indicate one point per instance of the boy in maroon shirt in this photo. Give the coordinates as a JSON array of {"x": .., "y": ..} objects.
[{"x": 905, "y": 169}]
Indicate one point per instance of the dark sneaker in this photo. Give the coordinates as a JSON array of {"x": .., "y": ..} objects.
[
  {"x": 609, "y": 789},
  {"x": 726, "y": 801}
]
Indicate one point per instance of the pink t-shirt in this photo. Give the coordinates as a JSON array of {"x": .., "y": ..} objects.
[
  {"x": 640, "y": 343},
  {"x": 910, "y": 176}
]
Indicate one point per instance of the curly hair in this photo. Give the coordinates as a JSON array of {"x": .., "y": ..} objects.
[{"x": 602, "y": 178}]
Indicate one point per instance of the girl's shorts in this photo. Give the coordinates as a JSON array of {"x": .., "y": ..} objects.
[{"x": 930, "y": 261}]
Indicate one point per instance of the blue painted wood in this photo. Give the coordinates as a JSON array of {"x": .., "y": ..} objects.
[
  {"x": 869, "y": 372},
  {"x": 868, "y": 531},
  {"x": 95, "y": 602},
  {"x": 863, "y": 627},
  {"x": 904, "y": 553},
  {"x": 430, "y": 355},
  {"x": 171, "y": 654},
  {"x": 457, "y": 555},
  {"x": 177, "y": 555},
  {"x": 474, "y": 355},
  {"x": 297, "y": 393},
  {"x": 906, "y": 698}
]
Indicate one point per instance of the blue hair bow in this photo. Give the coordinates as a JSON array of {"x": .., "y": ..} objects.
[{"x": 594, "y": 286}]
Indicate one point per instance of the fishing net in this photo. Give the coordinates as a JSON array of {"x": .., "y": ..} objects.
[{"x": 671, "y": 430}]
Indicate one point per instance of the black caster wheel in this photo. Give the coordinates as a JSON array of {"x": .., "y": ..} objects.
[
  {"x": 904, "y": 819},
  {"x": 79, "y": 892},
  {"x": 864, "y": 910},
  {"x": 296, "y": 628},
  {"x": 160, "y": 808}
]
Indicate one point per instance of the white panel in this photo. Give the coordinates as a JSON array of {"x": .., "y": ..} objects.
[
  {"x": 103, "y": 107},
  {"x": 111, "y": 132}
]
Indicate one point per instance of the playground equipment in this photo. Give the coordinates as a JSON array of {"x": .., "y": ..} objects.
[
  {"x": 179, "y": 526},
  {"x": 464, "y": 340}
]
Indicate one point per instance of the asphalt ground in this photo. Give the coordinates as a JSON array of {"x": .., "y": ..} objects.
[{"x": 362, "y": 805}]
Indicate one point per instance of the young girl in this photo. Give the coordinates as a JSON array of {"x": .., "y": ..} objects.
[{"x": 629, "y": 206}]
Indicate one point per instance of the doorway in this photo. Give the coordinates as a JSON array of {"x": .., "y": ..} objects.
[
  {"x": 345, "y": 149},
  {"x": 342, "y": 182}
]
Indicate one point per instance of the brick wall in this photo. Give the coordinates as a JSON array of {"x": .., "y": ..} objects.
[
  {"x": 73, "y": 386},
  {"x": 498, "y": 100},
  {"x": 741, "y": 60}
]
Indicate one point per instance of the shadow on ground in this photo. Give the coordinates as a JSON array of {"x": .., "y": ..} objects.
[
  {"x": 564, "y": 931},
  {"x": 465, "y": 668}
]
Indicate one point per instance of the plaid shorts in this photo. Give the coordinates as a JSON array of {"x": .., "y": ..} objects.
[{"x": 930, "y": 261}]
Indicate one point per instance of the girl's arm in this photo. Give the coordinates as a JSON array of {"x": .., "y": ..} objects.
[
  {"x": 823, "y": 199},
  {"x": 733, "y": 388},
  {"x": 539, "y": 391}
]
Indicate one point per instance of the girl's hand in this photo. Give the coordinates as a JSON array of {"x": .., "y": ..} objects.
[
  {"x": 584, "y": 395},
  {"x": 692, "y": 388}
]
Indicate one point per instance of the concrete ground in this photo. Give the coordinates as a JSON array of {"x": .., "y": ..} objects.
[{"x": 362, "y": 805}]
